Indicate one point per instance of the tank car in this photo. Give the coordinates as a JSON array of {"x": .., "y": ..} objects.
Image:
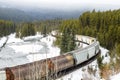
[
  {"x": 38, "y": 69},
  {"x": 62, "y": 62},
  {"x": 30, "y": 71}
]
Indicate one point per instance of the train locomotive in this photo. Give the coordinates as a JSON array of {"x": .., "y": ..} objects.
[{"x": 40, "y": 69}]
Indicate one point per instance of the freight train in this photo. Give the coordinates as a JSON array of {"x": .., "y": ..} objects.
[{"x": 40, "y": 69}]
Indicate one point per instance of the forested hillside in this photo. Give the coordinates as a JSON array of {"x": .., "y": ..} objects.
[
  {"x": 105, "y": 26},
  {"x": 6, "y": 28},
  {"x": 25, "y": 29},
  {"x": 30, "y": 28}
]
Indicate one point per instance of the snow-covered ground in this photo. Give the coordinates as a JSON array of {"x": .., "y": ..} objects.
[
  {"x": 20, "y": 51},
  {"x": 115, "y": 77},
  {"x": 17, "y": 51},
  {"x": 2, "y": 40},
  {"x": 105, "y": 55}
]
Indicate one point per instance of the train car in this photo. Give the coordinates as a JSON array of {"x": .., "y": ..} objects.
[
  {"x": 80, "y": 56},
  {"x": 39, "y": 69},
  {"x": 62, "y": 62},
  {"x": 30, "y": 71},
  {"x": 97, "y": 47},
  {"x": 92, "y": 49},
  {"x": 84, "y": 54}
]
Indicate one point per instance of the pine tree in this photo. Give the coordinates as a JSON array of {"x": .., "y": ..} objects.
[
  {"x": 68, "y": 37},
  {"x": 72, "y": 44},
  {"x": 27, "y": 30},
  {"x": 64, "y": 41},
  {"x": 44, "y": 31}
]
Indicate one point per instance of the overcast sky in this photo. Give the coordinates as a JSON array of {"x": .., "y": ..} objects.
[{"x": 63, "y": 4}]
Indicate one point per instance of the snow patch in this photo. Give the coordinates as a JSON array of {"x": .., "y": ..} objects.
[
  {"x": 41, "y": 48},
  {"x": 115, "y": 77},
  {"x": 27, "y": 48},
  {"x": 105, "y": 55},
  {"x": 2, "y": 41},
  {"x": 13, "y": 39},
  {"x": 9, "y": 58}
]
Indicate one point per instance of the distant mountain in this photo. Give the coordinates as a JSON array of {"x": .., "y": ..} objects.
[
  {"x": 51, "y": 14},
  {"x": 18, "y": 15},
  {"x": 14, "y": 15}
]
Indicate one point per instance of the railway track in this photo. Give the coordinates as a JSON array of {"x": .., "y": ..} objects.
[{"x": 72, "y": 69}]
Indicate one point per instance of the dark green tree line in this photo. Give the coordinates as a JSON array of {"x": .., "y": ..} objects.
[
  {"x": 6, "y": 28},
  {"x": 26, "y": 29}
]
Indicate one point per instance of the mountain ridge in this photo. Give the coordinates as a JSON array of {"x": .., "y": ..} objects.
[{"x": 18, "y": 15}]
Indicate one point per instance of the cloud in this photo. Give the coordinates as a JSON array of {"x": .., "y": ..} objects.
[{"x": 62, "y": 4}]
